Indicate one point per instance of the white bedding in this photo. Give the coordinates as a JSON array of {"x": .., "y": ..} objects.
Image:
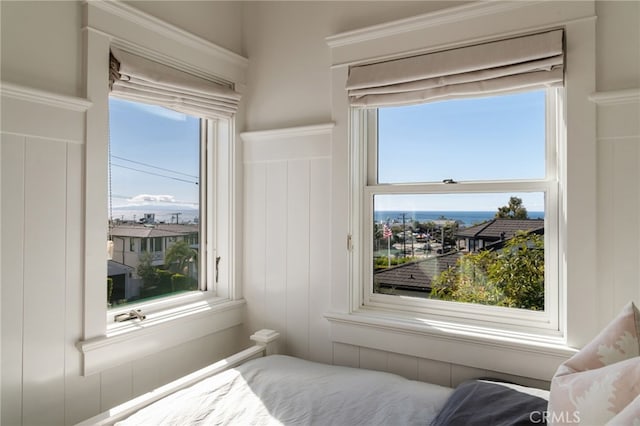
[{"x": 284, "y": 390}]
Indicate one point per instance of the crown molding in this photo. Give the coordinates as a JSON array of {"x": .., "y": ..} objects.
[
  {"x": 615, "y": 97},
  {"x": 29, "y": 94},
  {"x": 431, "y": 19},
  {"x": 170, "y": 31}
]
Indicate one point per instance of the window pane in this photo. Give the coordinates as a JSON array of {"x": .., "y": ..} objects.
[
  {"x": 495, "y": 138},
  {"x": 475, "y": 248},
  {"x": 154, "y": 201}
]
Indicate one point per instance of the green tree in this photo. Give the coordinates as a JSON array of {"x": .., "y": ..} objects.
[
  {"x": 179, "y": 256},
  {"x": 146, "y": 271},
  {"x": 109, "y": 290},
  {"x": 519, "y": 271},
  {"x": 469, "y": 281},
  {"x": 512, "y": 276},
  {"x": 514, "y": 210}
]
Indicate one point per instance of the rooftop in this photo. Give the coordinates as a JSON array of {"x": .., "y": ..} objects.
[
  {"x": 497, "y": 229},
  {"x": 417, "y": 275},
  {"x": 151, "y": 231}
]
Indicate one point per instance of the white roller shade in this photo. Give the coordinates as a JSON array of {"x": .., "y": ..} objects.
[
  {"x": 521, "y": 63},
  {"x": 138, "y": 79}
]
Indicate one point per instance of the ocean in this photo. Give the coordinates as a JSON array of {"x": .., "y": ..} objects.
[{"x": 465, "y": 218}]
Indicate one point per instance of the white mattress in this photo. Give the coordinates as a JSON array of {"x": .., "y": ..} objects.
[{"x": 283, "y": 390}]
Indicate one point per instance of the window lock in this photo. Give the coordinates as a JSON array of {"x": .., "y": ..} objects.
[{"x": 132, "y": 314}]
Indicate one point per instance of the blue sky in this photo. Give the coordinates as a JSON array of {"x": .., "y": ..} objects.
[
  {"x": 465, "y": 140},
  {"x": 155, "y": 158},
  {"x": 470, "y": 139}
]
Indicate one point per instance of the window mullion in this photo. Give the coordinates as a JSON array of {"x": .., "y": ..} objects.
[{"x": 466, "y": 187}]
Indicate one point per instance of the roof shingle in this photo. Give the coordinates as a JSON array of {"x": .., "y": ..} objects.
[
  {"x": 416, "y": 275},
  {"x": 493, "y": 229}
]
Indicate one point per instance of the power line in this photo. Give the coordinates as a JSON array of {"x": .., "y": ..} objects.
[
  {"x": 154, "y": 174},
  {"x": 154, "y": 167}
]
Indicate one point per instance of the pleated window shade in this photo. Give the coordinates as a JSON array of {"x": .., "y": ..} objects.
[
  {"x": 522, "y": 63},
  {"x": 138, "y": 79}
]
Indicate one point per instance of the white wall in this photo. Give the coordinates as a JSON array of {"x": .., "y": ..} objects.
[
  {"x": 219, "y": 22},
  {"x": 41, "y": 45},
  {"x": 289, "y": 76},
  {"x": 618, "y": 55},
  {"x": 42, "y": 160}
]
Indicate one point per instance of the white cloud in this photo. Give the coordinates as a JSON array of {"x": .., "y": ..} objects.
[
  {"x": 153, "y": 201},
  {"x": 148, "y": 198}
]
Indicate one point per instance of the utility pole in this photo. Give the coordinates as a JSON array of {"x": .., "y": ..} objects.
[
  {"x": 412, "y": 251},
  {"x": 404, "y": 239}
]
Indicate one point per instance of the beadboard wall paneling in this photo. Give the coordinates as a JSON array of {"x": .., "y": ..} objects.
[
  {"x": 41, "y": 181},
  {"x": 618, "y": 200},
  {"x": 44, "y": 281},
  {"x": 287, "y": 236},
  {"x": 80, "y": 396},
  {"x": 416, "y": 368},
  {"x": 121, "y": 383},
  {"x": 320, "y": 269},
  {"x": 12, "y": 157}
]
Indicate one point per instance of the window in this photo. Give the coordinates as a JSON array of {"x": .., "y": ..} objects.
[
  {"x": 461, "y": 206},
  {"x": 157, "y": 190},
  {"x": 460, "y": 179},
  {"x": 163, "y": 130},
  {"x": 474, "y": 335},
  {"x": 135, "y": 57}
]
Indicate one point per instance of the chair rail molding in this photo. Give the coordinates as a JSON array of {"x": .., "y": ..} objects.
[
  {"x": 613, "y": 97},
  {"x": 27, "y": 111},
  {"x": 289, "y": 143},
  {"x": 29, "y": 94},
  {"x": 618, "y": 112}
]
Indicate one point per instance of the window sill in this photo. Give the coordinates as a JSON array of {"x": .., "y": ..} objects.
[
  {"x": 159, "y": 310},
  {"x": 135, "y": 339},
  {"x": 514, "y": 353}
]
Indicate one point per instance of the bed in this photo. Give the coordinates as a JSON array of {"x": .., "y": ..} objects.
[{"x": 256, "y": 387}]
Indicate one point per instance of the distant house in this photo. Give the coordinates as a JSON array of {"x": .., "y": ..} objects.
[
  {"x": 491, "y": 234},
  {"x": 131, "y": 240},
  {"x": 416, "y": 276}
]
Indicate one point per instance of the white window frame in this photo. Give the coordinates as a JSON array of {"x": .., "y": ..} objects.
[
  {"x": 213, "y": 180},
  {"x": 441, "y": 339},
  {"x": 364, "y": 134},
  {"x": 173, "y": 320}
]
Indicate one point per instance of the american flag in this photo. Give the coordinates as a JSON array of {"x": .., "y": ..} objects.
[{"x": 386, "y": 231}]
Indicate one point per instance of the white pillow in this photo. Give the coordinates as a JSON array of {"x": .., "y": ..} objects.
[
  {"x": 603, "y": 378},
  {"x": 630, "y": 416}
]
